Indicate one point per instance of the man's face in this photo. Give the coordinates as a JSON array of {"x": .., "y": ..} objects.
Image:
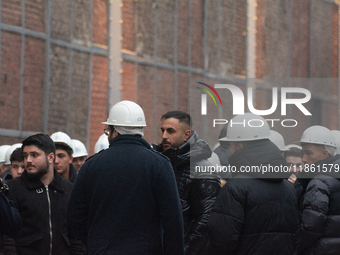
[
  {"x": 36, "y": 162},
  {"x": 232, "y": 147},
  {"x": 62, "y": 161},
  {"x": 295, "y": 164},
  {"x": 17, "y": 168},
  {"x": 312, "y": 154},
  {"x": 78, "y": 162},
  {"x": 174, "y": 133}
]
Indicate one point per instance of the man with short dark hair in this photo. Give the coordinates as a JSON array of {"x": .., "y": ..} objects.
[
  {"x": 182, "y": 145},
  {"x": 17, "y": 163},
  {"x": 293, "y": 157},
  {"x": 41, "y": 195}
]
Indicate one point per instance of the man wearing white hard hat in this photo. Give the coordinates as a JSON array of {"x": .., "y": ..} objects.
[
  {"x": 255, "y": 212},
  {"x": 63, "y": 159},
  {"x": 125, "y": 199},
  {"x": 6, "y": 175},
  {"x": 79, "y": 154},
  {"x": 3, "y": 150},
  {"x": 320, "y": 205},
  {"x": 101, "y": 144}
]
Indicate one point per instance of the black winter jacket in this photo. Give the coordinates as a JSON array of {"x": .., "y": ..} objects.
[
  {"x": 33, "y": 202},
  {"x": 125, "y": 201},
  {"x": 320, "y": 222},
  {"x": 197, "y": 194},
  {"x": 253, "y": 215}
]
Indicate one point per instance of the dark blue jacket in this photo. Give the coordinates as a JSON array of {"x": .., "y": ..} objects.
[
  {"x": 9, "y": 217},
  {"x": 125, "y": 201}
]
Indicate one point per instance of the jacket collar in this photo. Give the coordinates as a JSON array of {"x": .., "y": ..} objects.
[
  {"x": 129, "y": 139},
  {"x": 37, "y": 184}
]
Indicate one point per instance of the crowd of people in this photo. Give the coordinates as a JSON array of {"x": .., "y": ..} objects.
[{"x": 131, "y": 197}]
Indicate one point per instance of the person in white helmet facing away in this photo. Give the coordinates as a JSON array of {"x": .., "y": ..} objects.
[
  {"x": 3, "y": 150},
  {"x": 63, "y": 159},
  {"x": 278, "y": 140},
  {"x": 101, "y": 144},
  {"x": 6, "y": 175},
  {"x": 320, "y": 179},
  {"x": 336, "y": 134},
  {"x": 125, "y": 199},
  {"x": 256, "y": 210},
  {"x": 79, "y": 154}
]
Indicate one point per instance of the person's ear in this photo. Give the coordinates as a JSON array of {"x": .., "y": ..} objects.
[
  {"x": 50, "y": 157},
  {"x": 239, "y": 146},
  {"x": 187, "y": 134},
  {"x": 325, "y": 154}
]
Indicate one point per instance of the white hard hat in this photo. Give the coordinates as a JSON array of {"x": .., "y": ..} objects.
[
  {"x": 62, "y": 138},
  {"x": 79, "y": 149},
  {"x": 10, "y": 151},
  {"x": 277, "y": 139},
  {"x": 336, "y": 134},
  {"x": 293, "y": 146},
  {"x": 247, "y": 127},
  {"x": 126, "y": 114},
  {"x": 101, "y": 144},
  {"x": 3, "y": 150},
  {"x": 318, "y": 135}
]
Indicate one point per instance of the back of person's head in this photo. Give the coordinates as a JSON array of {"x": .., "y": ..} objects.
[
  {"x": 293, "y": 152},
  {"x": 17, "y": 155},
  {"x": 182, "y": 117},
  {"x": 41, "y": 141}
]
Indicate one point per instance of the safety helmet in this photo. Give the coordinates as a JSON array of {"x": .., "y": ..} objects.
[
  {"x": 247, "y": 127},
  {"x": 277, "y": 139},
  {"x": 3, "y": 150},
  {"x": 318, "y": 135},
  {"x": 62, "y": 138},
  {"x": 101, "y": 144},
  {"x": 10, "y": 151},
  {"x": 336, "y": 134},
  {"x": 293, "y": 146},
  {"x": 79, "y": 149},
  {"x": 126, "y": 114}
]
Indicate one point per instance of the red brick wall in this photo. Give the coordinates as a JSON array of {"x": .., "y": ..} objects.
[{"x": 99, "y": 99}]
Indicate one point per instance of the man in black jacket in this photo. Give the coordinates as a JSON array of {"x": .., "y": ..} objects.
[
  {"x": 125, "y": 200},
  {"x": 40, "y": 194},
  {"x": 182, "y": 146},
  {"x": 256, "y": 210},
  {"x": 320, "y": 179}
]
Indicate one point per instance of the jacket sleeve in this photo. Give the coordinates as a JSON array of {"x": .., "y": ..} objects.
[
  {"x": 203, "y": 195},
  {"x": 314, "y": 210},
  {"x": 226, "y": 222},
  {"x": 77, "y": 209},
  {"x": 166, "y": 195},
  {"x": 10, "y": 218}
]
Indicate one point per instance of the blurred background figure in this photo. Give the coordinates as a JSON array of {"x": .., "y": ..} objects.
[
  {"x": 3, "y": 150},
  {"x": 293, "y": 157},
  {"x": 79, "y": 154},
  {"x": 277, "y": 139},
  {"x": 17, "y": 163},
  {"x": 101, "y": 144},
  {"x": 63, "y": 158},
  {"x": 336, "y": 134},
  {"x": 6, "y": 175}
]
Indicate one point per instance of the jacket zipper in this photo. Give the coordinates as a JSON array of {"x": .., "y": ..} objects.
[{"x": 50, "y": 219}]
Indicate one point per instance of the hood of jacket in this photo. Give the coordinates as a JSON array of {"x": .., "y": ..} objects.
[
  {"x": 193, "y": 150},
  {"x": 265, "y": 160}
]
